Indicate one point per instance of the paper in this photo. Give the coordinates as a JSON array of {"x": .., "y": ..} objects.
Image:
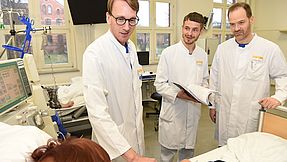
[{"x": 198, "y": 92}]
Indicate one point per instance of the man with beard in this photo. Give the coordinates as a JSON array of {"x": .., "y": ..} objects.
[
  {"x": 241, "y": 71},
  {"x": 183, "y": 63}
]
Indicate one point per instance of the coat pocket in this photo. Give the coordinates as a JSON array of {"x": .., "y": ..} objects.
[
  {"x": 256, "y": 70},
  {"x": 167, "y": 111}
]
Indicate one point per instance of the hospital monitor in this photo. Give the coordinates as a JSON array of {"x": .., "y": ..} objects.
[
  {"x": 14, "y": 84},
  {"x": 143, "y": 57}
]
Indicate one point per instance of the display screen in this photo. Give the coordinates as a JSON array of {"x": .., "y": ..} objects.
[
  {"x": 88, "y": 11},
  {"x": 143, "y": 57},
  {"x": 12, "y": 91}
]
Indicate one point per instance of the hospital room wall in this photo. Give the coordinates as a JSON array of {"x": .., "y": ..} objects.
[
  {"x": 85, "y": 34},
  {"x": 183, "y": 7},
  {"x": 270, "y": 21}
]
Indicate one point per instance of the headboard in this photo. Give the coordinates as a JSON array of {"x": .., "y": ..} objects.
[{"x": 274, "y": 121}]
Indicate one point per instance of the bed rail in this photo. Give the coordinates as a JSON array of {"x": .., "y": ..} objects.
[{"x": 274, "y": 121}]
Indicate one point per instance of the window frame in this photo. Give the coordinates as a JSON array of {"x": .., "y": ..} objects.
[
  {"x": 35, "y": 9},
  {"x": 152, "y": 29},
  {"x": 62, "y": 29},
  {"x": 224, "y": 31}
]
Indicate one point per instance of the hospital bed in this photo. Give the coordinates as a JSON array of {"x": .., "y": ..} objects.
[
  {"x": 74, "y": 119},
  {"x": 268, "y": 144}
]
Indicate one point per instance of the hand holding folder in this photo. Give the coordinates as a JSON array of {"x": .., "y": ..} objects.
[{"x": 197, "y": 92}]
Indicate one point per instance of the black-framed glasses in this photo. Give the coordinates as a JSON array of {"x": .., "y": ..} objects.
[{"x": 122, "y": 20}]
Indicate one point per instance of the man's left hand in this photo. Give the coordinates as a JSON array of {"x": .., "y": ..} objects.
[{"x": 269, "y": 103}]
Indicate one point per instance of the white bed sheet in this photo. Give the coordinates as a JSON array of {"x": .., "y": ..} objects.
[
  {"x": 250, "y": 147},
  {"x": 18, "y": 142},
  {"x": 212, "y": 155}
]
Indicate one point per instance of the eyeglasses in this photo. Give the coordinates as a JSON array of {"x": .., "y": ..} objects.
[{"x": 122, "y": 20}]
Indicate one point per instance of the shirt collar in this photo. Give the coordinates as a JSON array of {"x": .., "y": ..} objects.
[
  {"x": 186, "y": 50},
  {"x": 123, "y": 49},
  {"x": 246, "y": 44}
]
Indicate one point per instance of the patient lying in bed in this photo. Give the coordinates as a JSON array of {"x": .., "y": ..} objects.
[
  {"x": 30, "y": 144},
  {"x": 66, "y": 96},
  {"x": 251, "y": 147}
]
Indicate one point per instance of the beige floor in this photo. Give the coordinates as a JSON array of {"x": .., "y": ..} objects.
[{"x": 205, "y": 134}]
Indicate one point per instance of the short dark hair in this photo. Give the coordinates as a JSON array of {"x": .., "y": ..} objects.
[
  {"x": 134, "y": 4},
  {"x": 243, "y": 5},
  {"x": 197, "y": 17}
]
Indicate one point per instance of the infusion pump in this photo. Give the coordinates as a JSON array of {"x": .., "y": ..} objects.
[{"x": 29, "y": 114}]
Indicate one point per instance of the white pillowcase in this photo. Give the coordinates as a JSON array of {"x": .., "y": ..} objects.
[
  {"x": 18, "y": 142},
  {"x": 257, "y": 146}
]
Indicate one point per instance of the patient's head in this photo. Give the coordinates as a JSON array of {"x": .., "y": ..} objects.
[{"x": 72, "y": 149}]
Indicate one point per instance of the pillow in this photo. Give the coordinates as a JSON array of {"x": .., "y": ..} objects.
[
  {"x": 18, "y": 142},
  {"x": 258, "y": 146}
]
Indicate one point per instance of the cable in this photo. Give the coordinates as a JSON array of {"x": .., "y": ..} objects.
[
  {"x": 61, "y": 135},
  {"x": 45, "y": 43}
]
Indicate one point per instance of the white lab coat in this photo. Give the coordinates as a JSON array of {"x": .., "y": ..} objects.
[
  {"x": 242, "y": 77},
  {"x": 179, "y": 118},
  {"x": 112, "y": 91}
]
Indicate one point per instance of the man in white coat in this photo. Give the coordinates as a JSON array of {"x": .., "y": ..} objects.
[
  {"x": 184, "y": 63},
  {"x": 241, "y": 71},
  {"x": 112, "y": 88}
]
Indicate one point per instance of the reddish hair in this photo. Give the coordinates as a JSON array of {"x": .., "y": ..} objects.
[
  {"x": 134, "y": 4},
  {"x": 72, "y": 149},
  {"x": 243, "y": 5}
]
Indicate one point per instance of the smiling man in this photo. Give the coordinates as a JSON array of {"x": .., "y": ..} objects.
[
  {"x": 241, "y": 71},
  {"x": 183, "y": 63},
  {"x": 112, "y": 87}
]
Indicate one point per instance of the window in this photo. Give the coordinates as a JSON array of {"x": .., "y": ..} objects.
[
  {"x": 48, "y": 22},
  {"x": 58, "y": 12},
  {"x": 143, "y": 40},
  {"x": 52, "y": 48},
  {"x": 59, "y": 21},
  {"x": 49, "y": 10},
  {"x": 44, "y": 9},
  {"x": 220, "y": 21},
  {"x": 162, "y": 14},
  {"x": 155, "y": 28},
  {"x": 220, "y": 25},
  {"x": 162, "y": 41}
]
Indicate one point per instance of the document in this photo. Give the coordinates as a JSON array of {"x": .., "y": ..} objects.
[{"x": 198, "y": 92}]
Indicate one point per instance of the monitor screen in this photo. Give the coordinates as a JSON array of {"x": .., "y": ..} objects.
[
  {"x": 143, "y": 57},
  {"x": 88, "y": 11},
  {"x": 14, "y": 89}
]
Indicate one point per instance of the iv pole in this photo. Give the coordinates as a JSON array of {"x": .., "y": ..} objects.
[
  {"x": 12, "y": 39},
  {"x": 13, "y": 32}
]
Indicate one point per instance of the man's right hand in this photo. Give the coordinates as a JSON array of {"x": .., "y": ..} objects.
[
  {"x": 212, "y": 114},
  {"x": 132, "y": 156},
  {"x": 182, "y": 95}
]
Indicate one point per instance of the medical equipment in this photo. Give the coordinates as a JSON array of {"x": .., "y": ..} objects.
[
  {"x": 29, "y": 28},
  {"x": 16, "y": 107},
  {"x": 15, "y": 88}
]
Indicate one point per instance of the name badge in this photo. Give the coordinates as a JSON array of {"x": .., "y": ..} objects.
[
  {"x": 257, "y": 58},
  {"x": 199, "y": 62},
  {"x": 255, "y": 61}
]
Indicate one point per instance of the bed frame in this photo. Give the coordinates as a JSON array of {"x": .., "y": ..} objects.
[{"x": 274, "y": 121}]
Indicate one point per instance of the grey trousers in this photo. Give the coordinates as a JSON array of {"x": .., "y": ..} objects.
[{"x": 167, "y": 155}]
